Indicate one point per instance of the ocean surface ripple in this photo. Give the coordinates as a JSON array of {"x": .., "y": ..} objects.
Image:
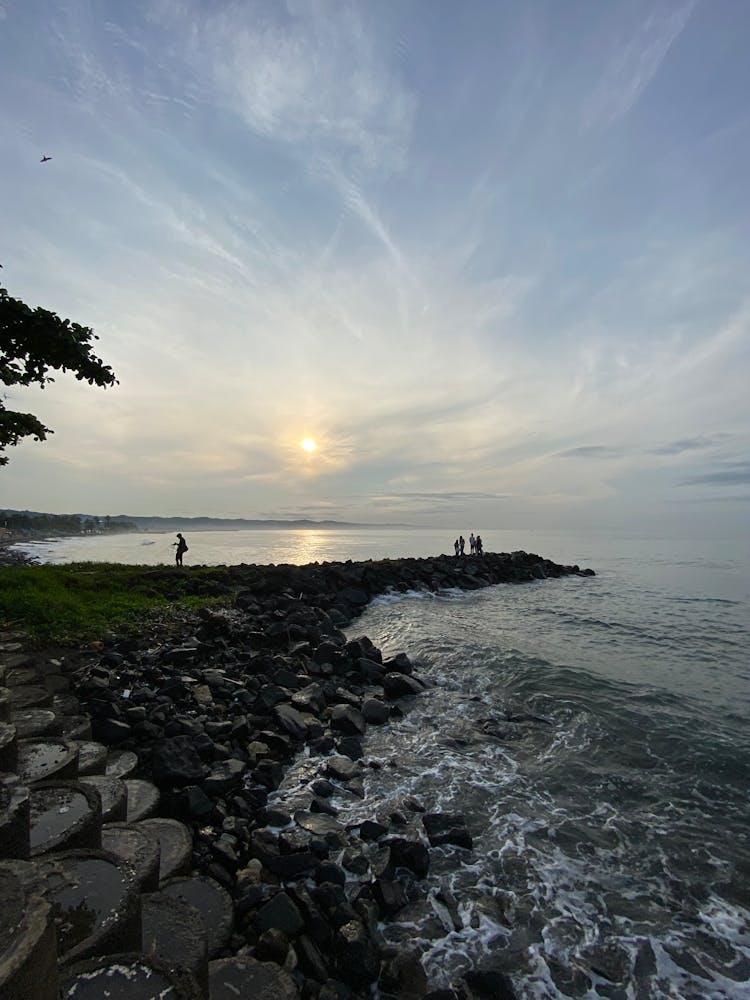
[{"x": 594, "y": 734}]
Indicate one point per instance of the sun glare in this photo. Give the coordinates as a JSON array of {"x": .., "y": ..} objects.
[{"x": 308, "y": 444}]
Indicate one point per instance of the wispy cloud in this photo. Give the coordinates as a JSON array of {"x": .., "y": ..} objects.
[
  {"x": 699, "y": 443},
  {"x": 636, "y": 61},
  {"x": 304, "y": 73},
  {"x": 734, "y": 474},
  {"x": 591, "y": 451},
  {"x": 355, "y": 223}
]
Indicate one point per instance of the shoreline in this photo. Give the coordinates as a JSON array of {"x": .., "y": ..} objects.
[{"x": 216, "y": 706}]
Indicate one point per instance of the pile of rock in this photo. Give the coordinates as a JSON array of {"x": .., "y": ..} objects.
[{"x": 283, "y": 897}]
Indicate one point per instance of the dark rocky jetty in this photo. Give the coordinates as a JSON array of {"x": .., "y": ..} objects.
[{"x": 146, "y": 832}]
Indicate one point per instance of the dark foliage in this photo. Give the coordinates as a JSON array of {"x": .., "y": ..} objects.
[{"x": 34, "y": 341}]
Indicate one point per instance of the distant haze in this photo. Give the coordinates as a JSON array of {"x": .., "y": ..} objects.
[{"x": 488, "y": 261}]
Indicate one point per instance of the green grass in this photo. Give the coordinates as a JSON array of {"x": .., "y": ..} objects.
[{"x": 82, "y": 601}]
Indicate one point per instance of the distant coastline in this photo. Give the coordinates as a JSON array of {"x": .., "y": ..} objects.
[
  {"x": 246, "y": 524},
  {"x": 198, "y": 523}
]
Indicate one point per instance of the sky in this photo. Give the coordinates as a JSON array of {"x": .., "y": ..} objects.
[{"x": 492, "y": 258}]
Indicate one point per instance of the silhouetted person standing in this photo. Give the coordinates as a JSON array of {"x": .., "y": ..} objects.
[
  {"x": 181, "y": 549},
  {"x": 480, "y": 550}
]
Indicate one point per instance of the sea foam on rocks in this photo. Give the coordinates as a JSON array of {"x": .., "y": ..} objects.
[{"x": 217, "y": 705}]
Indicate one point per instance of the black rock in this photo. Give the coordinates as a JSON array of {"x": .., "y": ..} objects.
[
  {"x": 272, "y": 946},
  {"x": 310, "y": 699},
  {"x": 310, "y": 958},
  {"x": 490, "y": 984},
  {"x": 346, "y": 719},
  {"x": 271, "y": 816},
  {"x": 375, "y": 712},
  {"x": 110, "y": 731},
  {"x": 291, "y": 720},
  {"x": 281, "y": 914},
  {"x": 446, "y": 828},
  {"x": 197, "y": 803},
  {"x": 224, "y": 777},
  {"x": 342, "y": 769},
  {"x": 175, "y": 763},
  {"x": 327, "y": 871},
  {"x": 370, "y": 830},
  {"x": 291, "y": 866},
  {"x": 351, "y": 747},
  {"x": 401, "y": 685},
  {"x": 355, "y": 956},
  {"x": 322, "y": 788},
  {"x": 322, "y": 806},
  {"x": 400, "y": 663},
  {"x": 390, "y": 896}
]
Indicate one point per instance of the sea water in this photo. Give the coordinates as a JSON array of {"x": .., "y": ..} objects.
[{"x": 593, "y": 732}]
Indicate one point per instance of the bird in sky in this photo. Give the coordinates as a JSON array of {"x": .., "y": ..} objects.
[{"x": 45, "y": 158}]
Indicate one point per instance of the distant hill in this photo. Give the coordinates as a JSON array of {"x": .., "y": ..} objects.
[
  {"x": 230, "y": 523},
  {"x": 153, "y": 523}
]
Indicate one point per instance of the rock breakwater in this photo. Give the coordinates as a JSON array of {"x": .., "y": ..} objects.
[{"x": 210, "y": 710}]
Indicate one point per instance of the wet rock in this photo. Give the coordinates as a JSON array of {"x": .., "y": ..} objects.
[
  {"x": 351, "y": 747},
  {"x": 323, "y": 806},
  {"x": 328, "y": 871},
  {"x": 489, "y": 984},
  {"x": 409, "y": 854},
  {"x": 447, "y": 828},
  {"x": 401, "y": 685},
  {"x": 342, "y": 769},
  {"x": 346, "y": 719},
  {"x": 322, "y": 788},
  {"x": 355, "y": 956},
  {"x": 375, "y": 712},
  {"x": 389, "y": 895},
  {"x": 271, "y": 816},
  {"x": 400, "y": 663},
  {"x": 608, "y": 960},
  {"x": 370, "y": 830},
  {"x": 403, "y": 976},
  {"x": 355, "y": 861}
]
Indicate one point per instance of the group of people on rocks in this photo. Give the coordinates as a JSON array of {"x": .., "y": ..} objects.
[{"x": 475, "y": 545}]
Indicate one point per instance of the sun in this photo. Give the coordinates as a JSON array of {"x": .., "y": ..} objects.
[{"x": 308, "y": 444}]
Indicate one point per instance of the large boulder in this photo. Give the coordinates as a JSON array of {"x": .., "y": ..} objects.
[
  {"x": 176, "y": 763},
  {"x": 446, "y": 828},
  {"x": 398, "y": 685},
  {"x": 346, "y": 719}
]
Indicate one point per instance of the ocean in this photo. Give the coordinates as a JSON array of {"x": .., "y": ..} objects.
[{"x": 593, "y": 732}]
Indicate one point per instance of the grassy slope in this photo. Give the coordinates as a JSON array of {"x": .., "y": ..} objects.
[{"x": 82, "y": 601}]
